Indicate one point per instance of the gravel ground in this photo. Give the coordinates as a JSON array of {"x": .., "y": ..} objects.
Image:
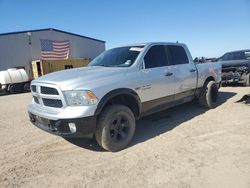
[{"x": 185, "y": 146}]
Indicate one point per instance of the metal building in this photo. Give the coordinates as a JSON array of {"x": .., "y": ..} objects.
[{"x": 18, "y": 49}]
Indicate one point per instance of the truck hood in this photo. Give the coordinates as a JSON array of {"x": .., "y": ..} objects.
[{"x": 80, "y": 78}]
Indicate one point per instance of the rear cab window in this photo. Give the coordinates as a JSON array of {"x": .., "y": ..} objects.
[
  {"x": 156, "y": 57},
  {"x": 177, "y": 55}
]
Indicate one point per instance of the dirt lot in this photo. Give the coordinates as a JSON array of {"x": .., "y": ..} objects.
[{"x": 182, "y": 147}]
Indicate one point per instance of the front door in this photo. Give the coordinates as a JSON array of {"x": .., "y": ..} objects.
[{"x": 157, "y": 79}]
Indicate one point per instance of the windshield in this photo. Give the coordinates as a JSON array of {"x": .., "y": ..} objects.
[
  {"x": 117, "y": 57},
  {"x": 240, "y": 55}
]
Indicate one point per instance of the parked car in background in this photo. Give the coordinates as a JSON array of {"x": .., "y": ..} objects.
[{"x": 236, "y": 67}]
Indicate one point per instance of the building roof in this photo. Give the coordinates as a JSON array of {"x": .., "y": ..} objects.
[{"x": 51, "y": 29}]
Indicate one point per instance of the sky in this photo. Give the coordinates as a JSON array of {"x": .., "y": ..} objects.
[{"x": 208, "y": 27}]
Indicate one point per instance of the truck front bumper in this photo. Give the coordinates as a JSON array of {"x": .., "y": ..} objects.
[
  {"x": 233, "y": 78},
  {"x": 68, "y": 122},
  {"x": 79, "y": 127}
]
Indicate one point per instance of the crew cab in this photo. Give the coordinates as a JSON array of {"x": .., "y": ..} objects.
[
  {"x": 118, "y": 87},
  {"x": 236, "y": 67}
]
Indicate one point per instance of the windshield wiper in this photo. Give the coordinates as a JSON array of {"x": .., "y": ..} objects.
[{"x": 101, "y": 65}]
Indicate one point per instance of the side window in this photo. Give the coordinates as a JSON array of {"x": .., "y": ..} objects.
[
  {"x": 234, "y": 56},
  {"x": 247, "y": 55},
  {"x": 155, "y": 57},
  {"x": 225, "y": 57},
  {"x": 177, "y": 55},
  {"x": 239, "y": 56}
]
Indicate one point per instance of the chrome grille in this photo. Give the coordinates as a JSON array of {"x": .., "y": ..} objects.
[
  {"x": 47, "y": 96},
  {"x": 49, "y": 91},
  {"x": 33, "y": 88},
  {"x": 56, "y": 103}
]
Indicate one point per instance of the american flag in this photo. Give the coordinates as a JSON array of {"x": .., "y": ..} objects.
[{"x": 51, "y": 49}]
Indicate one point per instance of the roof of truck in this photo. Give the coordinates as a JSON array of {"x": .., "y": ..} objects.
[{"x": 150, "y": 43}]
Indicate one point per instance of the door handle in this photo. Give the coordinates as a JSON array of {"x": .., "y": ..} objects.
[
  {"x": 168, "y": 74},
  {"x": 192, "y": 70}
]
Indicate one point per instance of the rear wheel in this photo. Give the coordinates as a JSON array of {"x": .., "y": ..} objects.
[
  {"x": 12, "y": 89},
  {"x": 16, "y": 88},
  {"x": 209, "y": 95},
  {"x": 115, "y": 127}
]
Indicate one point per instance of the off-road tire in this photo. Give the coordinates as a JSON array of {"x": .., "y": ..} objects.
[
  {"x": 115, "y": 127},
  {"x": 209, "y": 95}
]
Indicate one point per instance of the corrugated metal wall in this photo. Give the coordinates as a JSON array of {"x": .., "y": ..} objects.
[{"x": 15, "y": 49}]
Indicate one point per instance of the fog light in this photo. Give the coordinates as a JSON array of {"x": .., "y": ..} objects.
[
  {"x": 72, "y": 127},
  {"x": 3, "y": 86}
]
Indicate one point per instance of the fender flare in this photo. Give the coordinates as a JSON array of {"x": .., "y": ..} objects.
[{"x": 121, "y": 91}]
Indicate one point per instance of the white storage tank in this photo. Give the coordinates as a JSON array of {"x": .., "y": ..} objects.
[
  {"x": 13, "y": 79},
  {"x": 13, "y": 76}
]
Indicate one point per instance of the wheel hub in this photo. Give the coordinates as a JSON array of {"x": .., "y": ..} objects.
[{"x": 118, "y": 128}]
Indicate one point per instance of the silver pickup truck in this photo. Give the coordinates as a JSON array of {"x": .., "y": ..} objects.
[{"x": 118, "y": 87}]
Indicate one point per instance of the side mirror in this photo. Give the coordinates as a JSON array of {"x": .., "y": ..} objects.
[{"x": 196, "y": 60}]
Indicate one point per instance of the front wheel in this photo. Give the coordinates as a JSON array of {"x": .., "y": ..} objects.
[
  {"x": 115, "y": 127},
  {"x": 209, "y": 95}
]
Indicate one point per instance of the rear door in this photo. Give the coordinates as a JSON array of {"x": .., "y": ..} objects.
[
  {"x": 184, "y": 71},
  {"x": 157, "y": 78}
]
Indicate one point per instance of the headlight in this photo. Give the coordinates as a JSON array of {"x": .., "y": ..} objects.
[{"x": 80, "y": 98}]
